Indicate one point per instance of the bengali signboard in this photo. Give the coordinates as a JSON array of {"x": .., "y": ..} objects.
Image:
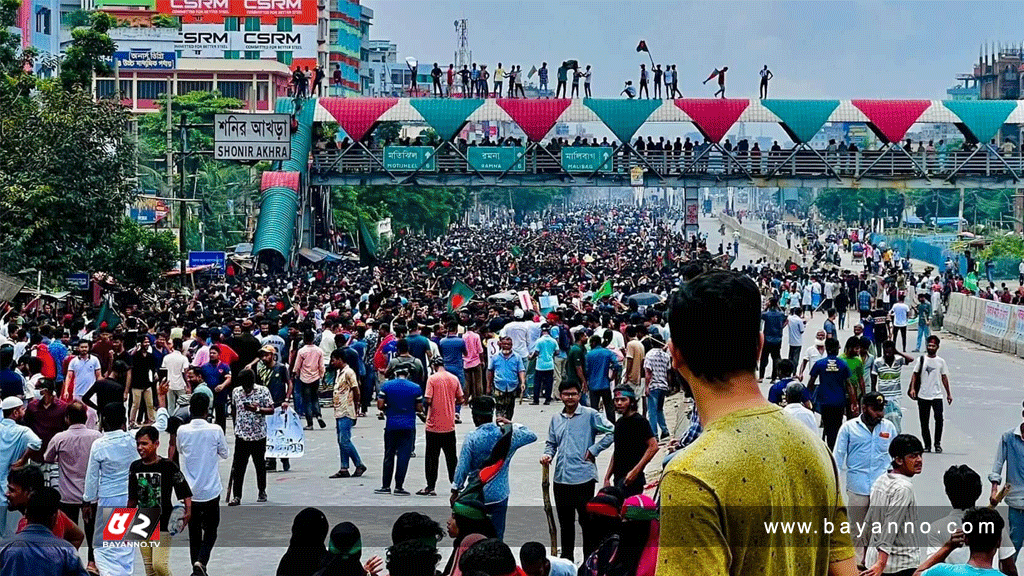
[
  {"x": 252, "y": 137},
  {"x": 586, "y": 159},
  {"x": 997, "y": 319},
  {"x": 1018, "y": 330},
  {"x": 497, "y": 158},
  {"x": 410, "y": 158},
  {"x": 77, "y": 281},
  {"x": 144, "y": 60},
  {"x": 218, "y": 259}
]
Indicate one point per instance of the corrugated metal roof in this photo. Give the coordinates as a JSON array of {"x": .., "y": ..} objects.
[{"x": 276, "y": 226}]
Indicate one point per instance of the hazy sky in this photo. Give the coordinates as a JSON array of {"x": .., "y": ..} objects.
[{"x": 822, "y": 49}]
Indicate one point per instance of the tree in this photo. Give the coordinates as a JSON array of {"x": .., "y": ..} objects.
[
  {"x": 228, "y": 190},
  {"x": 426, "y": 210},
  {"x": 139, "y": 255},
  {"x": 524, "y": 199},
  {"x": 197, "y": 108},
  {"x": 89, "y": 53},
  {"x": 65, "y": 167}
]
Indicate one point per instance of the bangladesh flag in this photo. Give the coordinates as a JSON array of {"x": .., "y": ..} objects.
[
  {"x": 605, "y": 290},
  {"x": 107, "y": 317},
  {"x": 459, "y": 296}
]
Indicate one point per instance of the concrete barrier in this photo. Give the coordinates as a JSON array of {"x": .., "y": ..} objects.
[
  {"x": 955, "y": 310},
  {"x": 775, "y": 251},
  {"x": 992, "y": 324}
]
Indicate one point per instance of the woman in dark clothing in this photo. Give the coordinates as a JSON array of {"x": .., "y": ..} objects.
[
  {"x": 306, "y": 551},
  {"x": 469, "y": 517},
  {"x": 344, "y": 552}
]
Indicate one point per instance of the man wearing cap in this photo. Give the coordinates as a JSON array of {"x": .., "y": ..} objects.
[
  {"x": 862, "y": 450},
  {"x": 635, "y": 445},
  {"x": 506, "y": 376},
  {"x": 812, "y": 354},
  {"x": 441, "y": 400},
  {"x": 476, "y": 448},
  {"x": 17, "y": 444},
  {"x": 892, "y": 500},
  {"x": 274, "y": 375}
]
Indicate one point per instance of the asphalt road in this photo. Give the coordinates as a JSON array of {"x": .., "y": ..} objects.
[{"x": 986, "y": 392}]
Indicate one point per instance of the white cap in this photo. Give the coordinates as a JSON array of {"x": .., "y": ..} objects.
[
  {"x": 11, "y": 402},
  {"x": 518, "y": 313}
]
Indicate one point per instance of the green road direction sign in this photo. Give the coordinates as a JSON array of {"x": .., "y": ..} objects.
[
  {"x": 409, "y": 158},
  {"x": 586, "y": 159},
  {"x": 496, "y": 158}
]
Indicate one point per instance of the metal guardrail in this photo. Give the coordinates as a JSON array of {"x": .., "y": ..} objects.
[{"x": 895, "y": 164}]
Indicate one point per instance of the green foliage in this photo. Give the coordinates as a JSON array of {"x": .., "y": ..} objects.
[
  {"x": 77, "y": 18},
  {"x": 12, "y": 62},
  {"x": 419, "y": 209},
  {"x": 857, "y": 205},
  {"x": 89, "y": 53},
  {"x": 65, "y": 165},
  {"x": 198, "y": 108},
  {"x": 387, "y": 131},
  {"x": 1004, "y": 247},
  {"x": 140, "y": 255},
  {"x": 166, "y": 21},
  {"x": 525, "y": 199},
  {"x": 229, "y": 192}
]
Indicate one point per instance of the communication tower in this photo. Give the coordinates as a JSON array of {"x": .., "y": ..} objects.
[{"x": 463, "y": 55}]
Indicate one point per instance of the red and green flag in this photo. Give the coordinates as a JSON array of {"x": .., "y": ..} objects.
[
  {"x": 107, "y": 317},
  {"x": 459, "y": 296}
]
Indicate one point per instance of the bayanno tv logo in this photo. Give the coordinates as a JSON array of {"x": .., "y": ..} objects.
[{"x": 132, "y": 527}]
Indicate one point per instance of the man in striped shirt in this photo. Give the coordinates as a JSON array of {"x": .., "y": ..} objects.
[
  {"x": 885, "y": 378},
  {"x": 892, "y": 500}
]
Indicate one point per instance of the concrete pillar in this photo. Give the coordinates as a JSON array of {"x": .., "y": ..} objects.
[{"x": 1018, "y": 211}]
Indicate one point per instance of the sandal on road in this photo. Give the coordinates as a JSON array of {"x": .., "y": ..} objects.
[{"x": 426, "y": 492}]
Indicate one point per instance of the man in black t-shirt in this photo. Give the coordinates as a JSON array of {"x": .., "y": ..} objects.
[
  {"x": 141, "y": 379},
  {"x": 150, "y": 481},
  {"x": 880, "y": 318},
  {"x": 634, "y": 446}
]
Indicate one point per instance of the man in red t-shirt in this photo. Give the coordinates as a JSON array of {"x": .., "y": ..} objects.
[
  {"x": 21, "y": 483},
  {"x": 443, "y": 395}
]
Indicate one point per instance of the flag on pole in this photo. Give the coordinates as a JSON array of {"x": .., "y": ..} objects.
[
  {"x": 459, "y": 295},
  {"x": 367, "y": 247},
  {"x": 605, "y": 290},
  {"x": 713, "y": 74},
  {"x": 642, "y": 46},
  {"x": 107, "y": 317},
  {"x": 532, "y": 72}
]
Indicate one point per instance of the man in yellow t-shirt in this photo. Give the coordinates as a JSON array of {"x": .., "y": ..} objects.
[{"x": 752, "y": 466}]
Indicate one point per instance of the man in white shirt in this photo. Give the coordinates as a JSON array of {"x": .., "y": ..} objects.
[
  {"x": 927, "y": 382},
  {"x": 200, "y": 444},
  {"x": 812, "y": 354},
  {"x": 795, "y": 324},
  {"x": 862, "y": 450},
  {"x": 795, "y": 408},
  {"x": 175, "y": 364},
  {"x": 900, "y": 315}
]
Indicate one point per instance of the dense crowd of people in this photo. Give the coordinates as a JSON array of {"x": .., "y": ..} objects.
[{"x": 606, "y": 310}]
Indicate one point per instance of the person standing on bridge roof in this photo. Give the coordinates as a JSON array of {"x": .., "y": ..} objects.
[
  {"x": 721, "y": 80},
  {"x": 766, "y": 75}
]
